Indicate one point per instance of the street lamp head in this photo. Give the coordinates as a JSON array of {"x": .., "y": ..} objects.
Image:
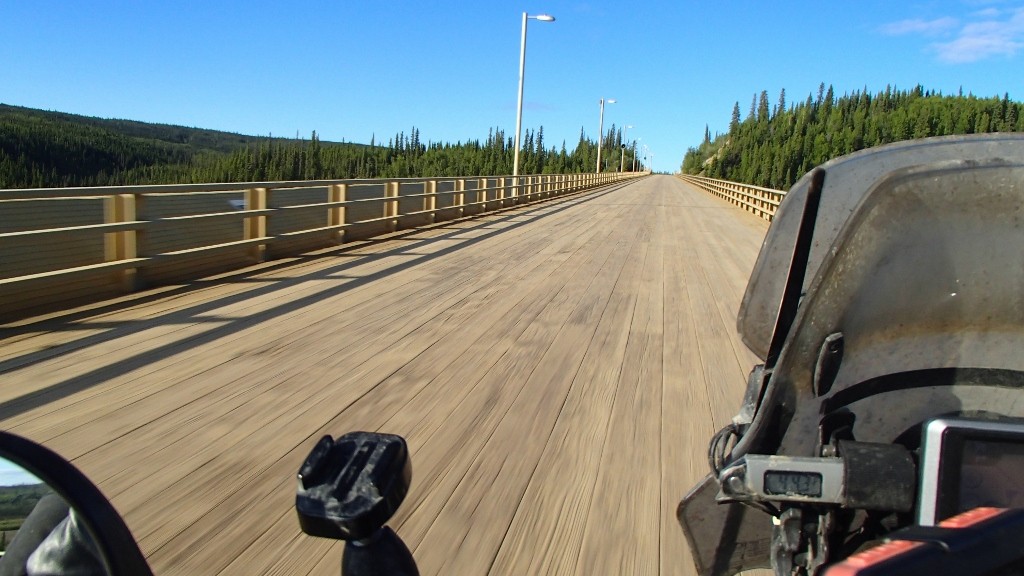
[
  {"x": 610, "y": 101},
  {"x": 544, "y": 17}
]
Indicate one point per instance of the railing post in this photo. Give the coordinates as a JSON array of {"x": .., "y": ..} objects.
[
  {"x": 460, "y": 195},
  {"x": 501, "y": 191},
  {"x": 123, "y": 244},
  {"x": 256, "y": 224},
  {"x": 481, "y": 195},
  {"x": 391, "y": 204},
  {"x": 336, "y": 214},
  {"x": 430, "y": 200}
]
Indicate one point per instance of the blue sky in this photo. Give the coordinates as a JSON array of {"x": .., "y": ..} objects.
[
  {"x": 13, "y": 475},
  {"x": 351, "y": 70}
]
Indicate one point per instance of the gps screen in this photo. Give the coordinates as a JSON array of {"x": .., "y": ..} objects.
[{"x": 991, "y": 474}]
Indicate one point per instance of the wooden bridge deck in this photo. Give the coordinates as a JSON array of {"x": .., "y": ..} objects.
[{"x": 557, "y": 370}]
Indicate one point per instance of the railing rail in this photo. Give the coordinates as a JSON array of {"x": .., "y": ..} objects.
[
  {"x": 760, "y": 201},
  {"x": 63, "y": 244}
]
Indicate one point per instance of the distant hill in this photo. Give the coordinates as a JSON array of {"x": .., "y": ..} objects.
[
  {"x": 40, "y": 148},
  {"x": 16, "y": 502},
  {"x": 196, "y": 138}
]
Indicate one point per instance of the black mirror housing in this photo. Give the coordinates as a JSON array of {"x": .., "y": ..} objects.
[{"x": 116, "y": 544}]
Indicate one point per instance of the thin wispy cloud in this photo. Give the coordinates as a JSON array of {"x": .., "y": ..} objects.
[
  {"x": 919, "y": 26},
  {"x": 987, "y": 13},
  {"x": 986, "y": 39},
  {"x": 986, "y": 33}
]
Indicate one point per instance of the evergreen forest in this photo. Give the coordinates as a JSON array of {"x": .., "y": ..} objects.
[
  {"x": 773, "y": 146},
  {"x": 41, "y": 149}
]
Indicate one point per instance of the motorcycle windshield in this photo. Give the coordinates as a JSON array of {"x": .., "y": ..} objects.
[
  {"x": 848, "y": 179},
  {"x": 927, "y": 274}
]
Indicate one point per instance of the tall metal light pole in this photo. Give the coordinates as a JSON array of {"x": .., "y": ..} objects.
[
  {"x": 600, "y": 133},
  {"x": 522, "y": 71},
  {"x": 622, "y": 145}
]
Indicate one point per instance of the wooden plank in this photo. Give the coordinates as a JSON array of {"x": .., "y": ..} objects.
[
  {"x": 510, "y": 455},
  {"x": 547, "y": 531},
  {"x": 629, "y": 504}
]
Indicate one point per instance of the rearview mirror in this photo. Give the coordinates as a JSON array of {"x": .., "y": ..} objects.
[{"x": 55, "y": 520}]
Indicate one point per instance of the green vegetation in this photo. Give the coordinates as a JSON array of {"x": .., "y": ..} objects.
[
  {"x": 51, "y": 149},
  {"x": 774, "y": 147},
  {"x": 16, "y": 502}
]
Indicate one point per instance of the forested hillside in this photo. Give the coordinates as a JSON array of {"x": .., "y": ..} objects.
[
  {"x": 52, "y": 149},
  {"x": 775, "y": 145}
]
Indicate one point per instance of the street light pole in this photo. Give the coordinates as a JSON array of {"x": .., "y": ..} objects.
[
  {"x": 622, "y": 145},
  {"x": 600, "y": 133},
  {"x": 522, "y": 72}
]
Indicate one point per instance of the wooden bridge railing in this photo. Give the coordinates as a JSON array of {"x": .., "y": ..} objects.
[
  {"x": 760, "y": 201},
  {"x": 59, "y": 245}
]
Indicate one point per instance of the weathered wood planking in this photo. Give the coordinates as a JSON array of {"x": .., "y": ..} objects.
[{"x": 556, "y": 369}]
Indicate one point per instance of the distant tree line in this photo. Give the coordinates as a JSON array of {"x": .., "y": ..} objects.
[
  {"x": 48, "y": 149},
  {"x": 406, "y": 156},
  {"x": 774, "y": 146}
]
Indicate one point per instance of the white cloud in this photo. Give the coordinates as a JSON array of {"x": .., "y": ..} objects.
[
  {"x": 985, "y": 39},
  {"x": 919, "y": 26},
  {"x": 987, "y": 32}
]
